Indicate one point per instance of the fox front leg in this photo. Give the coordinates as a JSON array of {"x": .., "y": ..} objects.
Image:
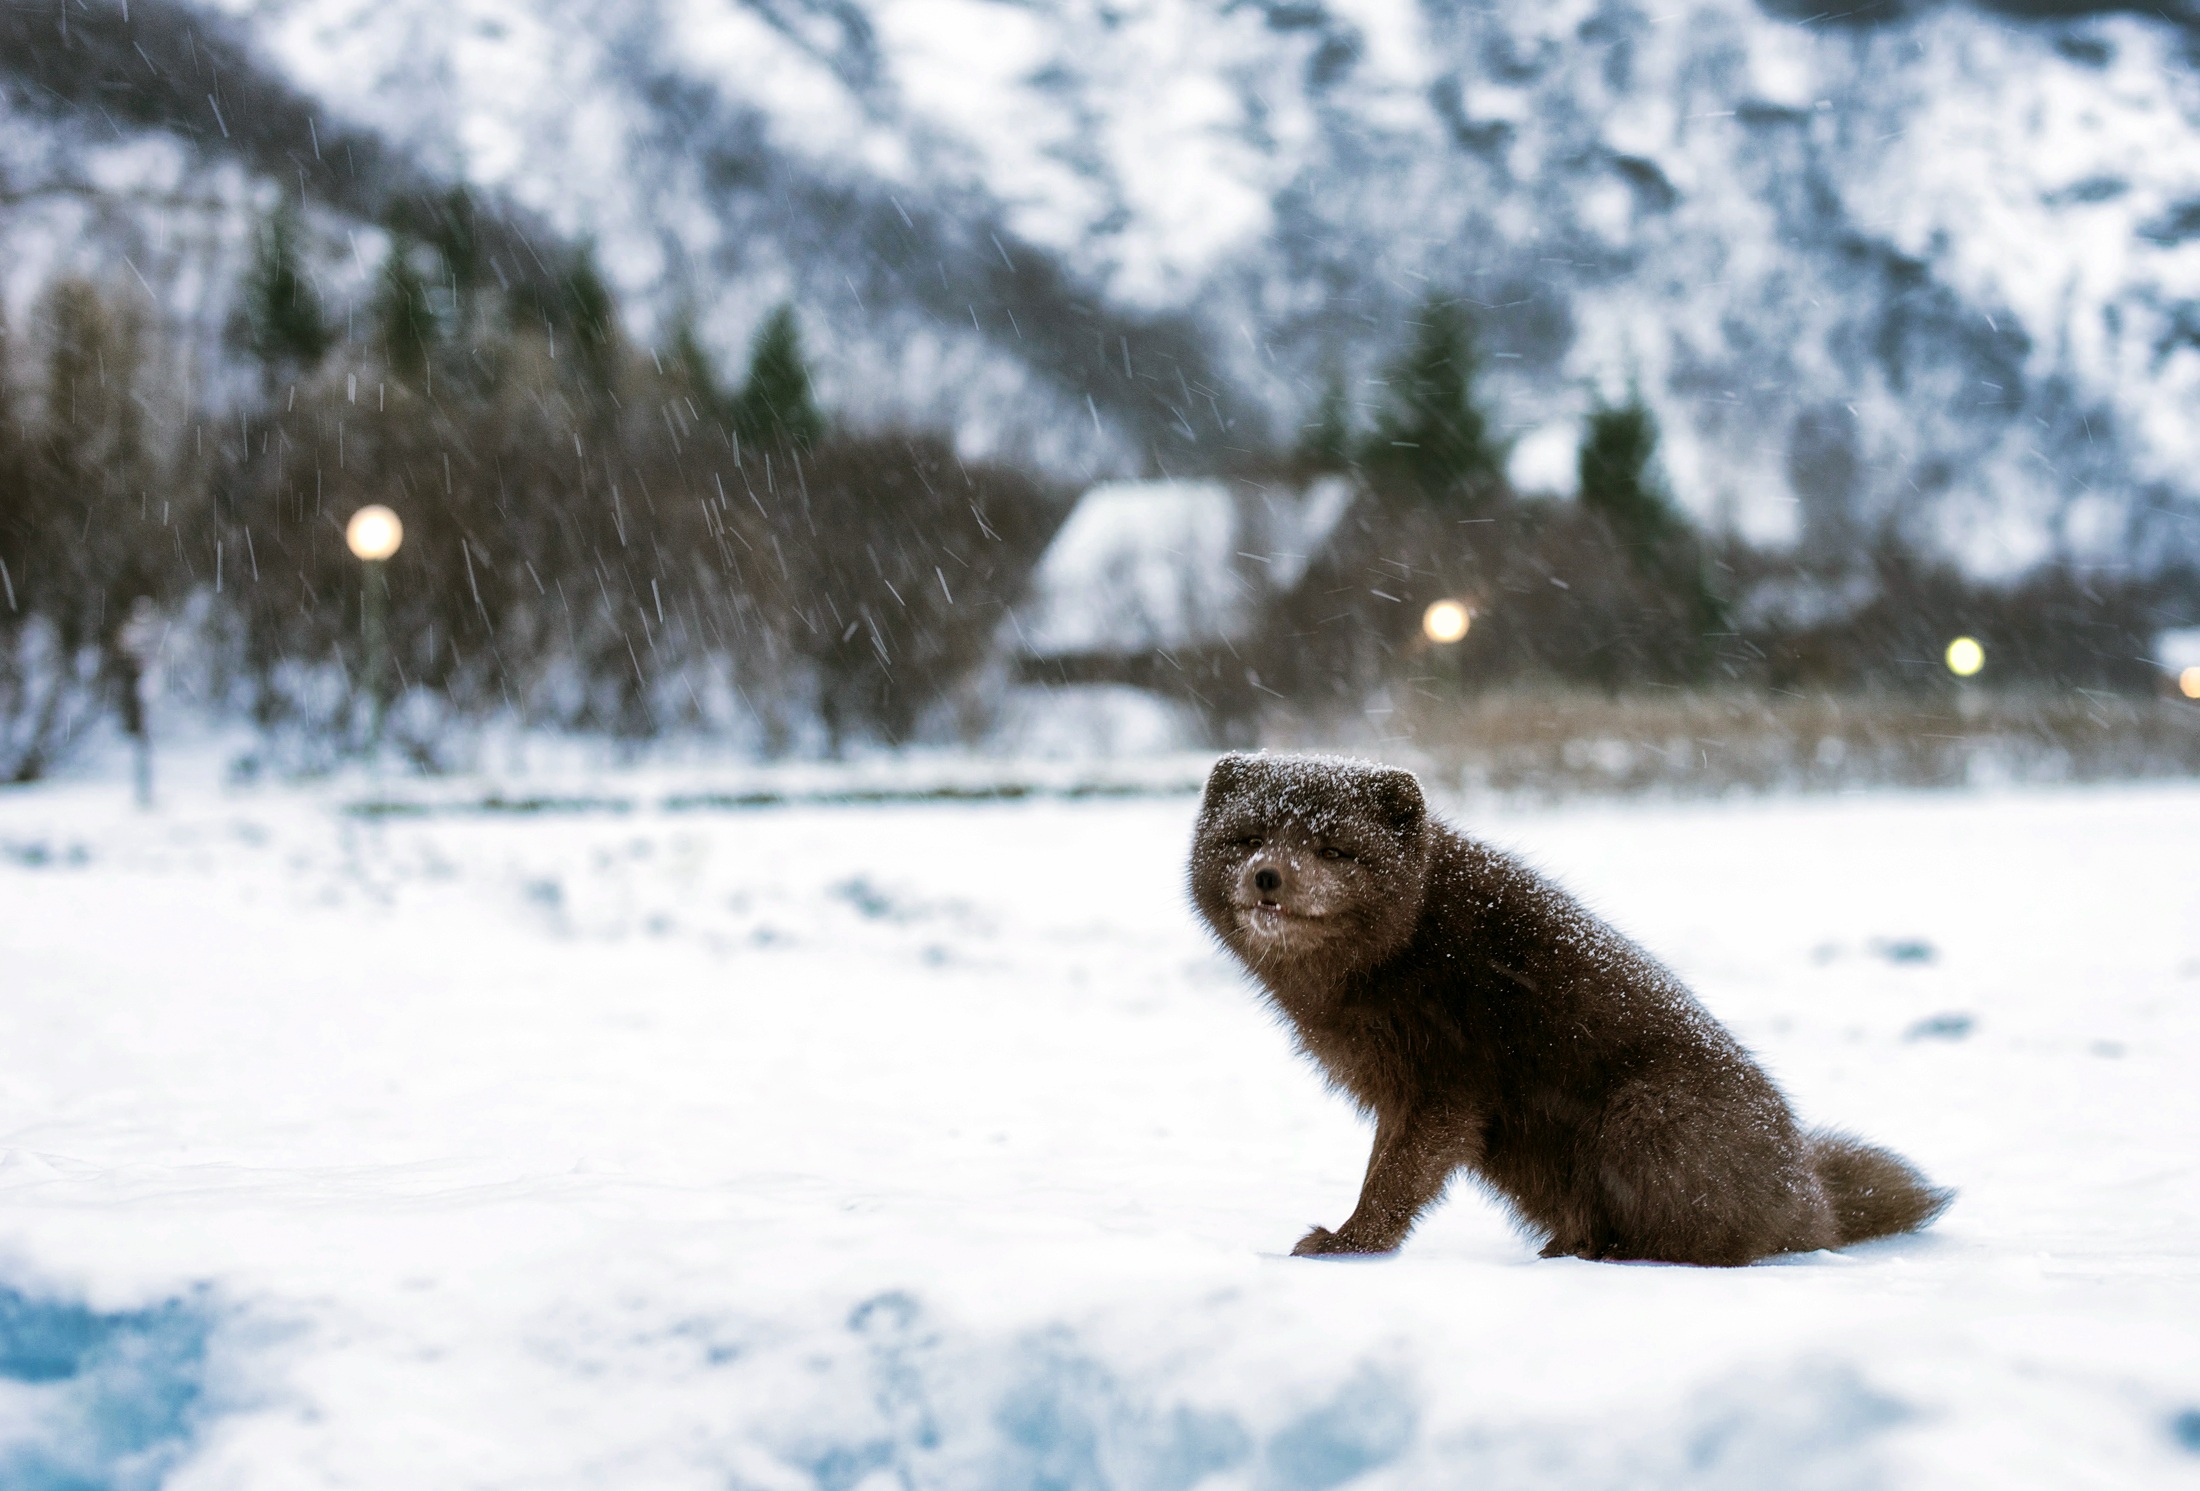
[{"x": 1412, "y": 1160}]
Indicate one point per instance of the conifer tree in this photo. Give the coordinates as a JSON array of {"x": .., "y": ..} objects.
[
  {"x": 1617, "y": 478},
  {"x": 577, "y": 310},
  {"x": 450, "y": 227},
  {"x": 454, "y": 232},
  {"x": 285, "y": 326},
  {"x": 407, "y": 319},
  {"x": 1432, "y": 433},
  {"x": 690, "y": 364},
  {"x": 1619, "y": 482},
  {"x": 1326, "y": 444},
  {"x": 775, "y": 404},
  {"x": 592, "y": 316}
]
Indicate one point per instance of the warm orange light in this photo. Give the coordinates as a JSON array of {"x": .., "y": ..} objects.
[
  {"x": 374, "y": 532},
  {"x": 1446, "y": 621},
  {"x": 2188, "y": 682}
]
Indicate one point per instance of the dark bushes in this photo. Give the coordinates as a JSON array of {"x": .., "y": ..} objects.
[
  {"x": 1552, "y": 589},
  {"x": 1558, "y": 593},
  {"x": 899, "y": 561},
  {"x": 588, "y": 545},
  {"x": 586, "y": 550}
]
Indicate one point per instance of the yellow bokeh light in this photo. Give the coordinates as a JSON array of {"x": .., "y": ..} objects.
[
  {"x": 1446, "y": 621},
  {"x": 374, "y": 532},
  {"x": 2188, "y": 683},
  {"x": 1965, "y": 656}
]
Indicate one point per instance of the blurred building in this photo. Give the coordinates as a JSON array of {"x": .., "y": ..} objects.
[
  {"x": 1158, "y": 586},
  {"x": 2177, "y": 654}
]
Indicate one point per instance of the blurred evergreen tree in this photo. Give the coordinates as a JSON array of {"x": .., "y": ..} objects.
[
  {"x": 775, "y": 404},
  {"x": 450, "y": 225},
  {"x": 593, "y": 317},
  {"x": 690, "y": 366},
  {"x": 1432, "y": 434},
  {"x": 579, "y": 313},
  {"x": 285, "y": 327},
  {"x": 1619, "y": 482},
  {"x": 453, "y": 230},
  {"x": 1326, "y": 444},
  {"x": 1617, "y": 477},
  {"x": 406, "y": 317}
]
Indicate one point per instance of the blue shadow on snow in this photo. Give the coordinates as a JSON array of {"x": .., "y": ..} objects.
[{"x": 97, "y": 1402}]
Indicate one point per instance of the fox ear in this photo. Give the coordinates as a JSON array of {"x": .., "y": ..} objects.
[
  {"x": 1398, "y": 799},
  {"x": 1228, "y": 774}
]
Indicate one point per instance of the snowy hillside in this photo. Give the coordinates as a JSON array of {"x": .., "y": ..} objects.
[
  {"x": 1937, "y": 264},
  {"x": 1942, "y": 265},
  {"x": 932, "y": 1146}
]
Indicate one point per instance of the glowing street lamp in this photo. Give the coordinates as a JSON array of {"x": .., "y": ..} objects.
[
  {"x": 1965, "y": 657},
  {"x": 374, "y": 533},
  {"x": 2188, "y": 683},
  {"x": 1445, "y": 622}
]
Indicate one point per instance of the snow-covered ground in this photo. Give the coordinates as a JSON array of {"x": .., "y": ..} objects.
[{"x": 930, "y": 1145}]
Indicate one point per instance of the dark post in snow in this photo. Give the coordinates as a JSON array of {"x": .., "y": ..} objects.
[
  {"x": 140, "y": 644},
  {"x": 374, "y": 534}
]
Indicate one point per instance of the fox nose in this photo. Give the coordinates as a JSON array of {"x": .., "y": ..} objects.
[{"x": 1267, "y": 882}]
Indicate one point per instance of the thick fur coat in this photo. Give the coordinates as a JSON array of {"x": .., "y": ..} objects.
[{"x": 1489, "y": 1023}]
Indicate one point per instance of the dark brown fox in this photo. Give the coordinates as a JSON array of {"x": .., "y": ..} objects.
[{"x": 1489, "y": 1023}]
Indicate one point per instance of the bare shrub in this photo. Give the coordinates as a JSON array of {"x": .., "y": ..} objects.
[
  {"x": 901, "y": 561},
  {"x": 98, "y": 510}
]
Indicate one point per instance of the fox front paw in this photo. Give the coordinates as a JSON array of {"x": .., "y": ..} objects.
[{"x": 1322, "y": 1243}]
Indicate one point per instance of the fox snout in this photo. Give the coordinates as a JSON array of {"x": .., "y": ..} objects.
[
  {"x": 1265, "y": 881},
  {"x": 1272, "y": 883}
]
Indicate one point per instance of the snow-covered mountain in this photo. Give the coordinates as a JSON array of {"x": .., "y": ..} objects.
[{"x": 1934, "y": 265}]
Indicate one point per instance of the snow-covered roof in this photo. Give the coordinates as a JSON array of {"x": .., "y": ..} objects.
[
  {"x": 1142, "y": 565},
  {"x": 2178, "y": 649}
]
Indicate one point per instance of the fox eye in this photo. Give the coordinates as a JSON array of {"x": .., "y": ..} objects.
[
  {"x": 1333, "y": 852},
  {"x": 1250, "y": 841}
]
